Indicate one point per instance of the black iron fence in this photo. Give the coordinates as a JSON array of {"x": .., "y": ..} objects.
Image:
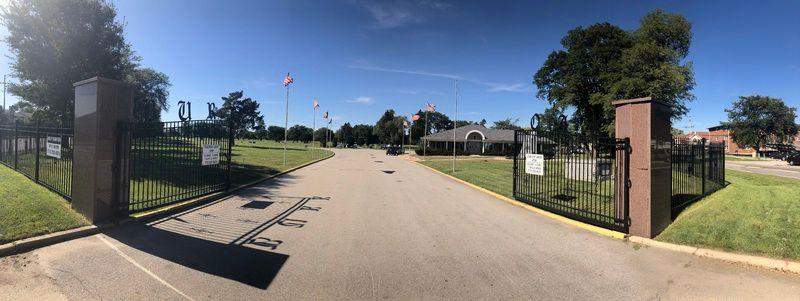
[
  {"x": 573, "y": 175},
  {"x": 169, "y": 162},
  {"x": 43, "y": 154},
  {"x": 698, "y": 169}
]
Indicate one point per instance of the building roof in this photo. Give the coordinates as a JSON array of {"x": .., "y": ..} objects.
[{"x": 490, "y": 135}]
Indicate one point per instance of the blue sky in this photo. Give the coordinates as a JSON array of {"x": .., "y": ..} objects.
[{"x": 361, "y": 57}]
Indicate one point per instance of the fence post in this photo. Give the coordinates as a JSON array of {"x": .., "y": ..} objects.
[
  {"x": 703, "y": 165},
  {"x": 230, "y": 149},
  {"x": 38, "y": 137},
  {"x": 16, "y": 142},
  {"x": 646, "y": 122},
  {"x": 100, "y": 105}
]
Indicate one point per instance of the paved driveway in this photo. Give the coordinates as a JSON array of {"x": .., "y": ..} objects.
[
  {"x": 365, "y": 226},
  {"x": 766, "y": 167}
]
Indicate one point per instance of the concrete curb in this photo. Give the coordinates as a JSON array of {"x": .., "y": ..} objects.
[
  {"x": 215, "y": 197},
  {"x": 32, "y": 243},
  {"x": 755, "y": 261}
]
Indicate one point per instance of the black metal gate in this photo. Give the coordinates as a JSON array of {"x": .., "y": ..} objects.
[
  {"x": 698, "y": 169},
  {"x": 43, "y": 154},
  {"x": 168, "y": 162},
  {"x": 573, "y": 175}
]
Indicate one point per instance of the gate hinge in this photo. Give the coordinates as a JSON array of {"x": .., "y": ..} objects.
[{"x": 628, "y": 183}]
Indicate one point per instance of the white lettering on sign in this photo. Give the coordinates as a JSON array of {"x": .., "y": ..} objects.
[
  {"x": 54, "y": 146},
  {"x": 534, "y": 164},
  {"x": 210, "y": 154}
]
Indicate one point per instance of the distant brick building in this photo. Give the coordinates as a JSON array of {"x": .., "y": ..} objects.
[{"x": 720, "y": 134}]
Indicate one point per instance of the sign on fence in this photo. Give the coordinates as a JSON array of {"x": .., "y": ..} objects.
[
  {"x": 210, "y": 154},
  {"x": 534, "y": 164},
  {"x": 54, "y": 146}
]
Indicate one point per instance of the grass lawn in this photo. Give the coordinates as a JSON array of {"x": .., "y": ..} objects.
[
  {"x": 27, "y": 209},
  {"x": 755, "y": 214},
  {"x": 173, "y": 174},
  {"x": 494, "y": 175}
]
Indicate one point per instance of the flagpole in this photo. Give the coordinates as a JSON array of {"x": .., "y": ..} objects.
[
  {"x": 402, "y": 137},
  {"x": 455, "y": 125},
  {"x": 313, "y": 133},
  {"x": 286, "y": 125},
  {"x": 425, "y": 143}
]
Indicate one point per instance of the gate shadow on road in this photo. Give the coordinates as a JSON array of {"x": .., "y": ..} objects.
[{"x": 224, "y": 238}]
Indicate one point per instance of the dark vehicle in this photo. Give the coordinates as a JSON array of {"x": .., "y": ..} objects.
[
  {"x": 793, "y": 158},
  {"x": 394, "y": 150}
]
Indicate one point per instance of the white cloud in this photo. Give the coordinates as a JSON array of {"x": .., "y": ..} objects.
[
  {"x": 493, "y": 87},
  {"x": 392, "y": 14},
  {"x": 362, "y": 100}
]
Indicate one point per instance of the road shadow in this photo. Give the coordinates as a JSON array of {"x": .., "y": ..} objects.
[{"x": 226, "y": 238}]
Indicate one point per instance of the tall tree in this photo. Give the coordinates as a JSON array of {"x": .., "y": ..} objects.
[
  {"x": 603, "y": 63},
  {"x": 321, "y": 135},
  {"x": 345, "y": 134},
  {"x": 506, "y": 124},
  {"x": 275, "y": 133},
  {"x": 151, "y": 90},
  {"x": 756, "y": 120},
  {"x": 54, "y": 44},
  {"x": 242, "y": 112},
  {"x": 385, "y": 127},
  {"x": 362, "y": 134},
  {"x": 299, "y": 133}
]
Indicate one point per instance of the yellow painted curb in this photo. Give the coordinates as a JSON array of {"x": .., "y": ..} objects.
[
  {"x": 145, "y": 214},
  {"x": 756, "y": 261},
  {"x": 585, "y": 226}
]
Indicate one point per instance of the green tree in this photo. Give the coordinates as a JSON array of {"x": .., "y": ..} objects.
[
  {"x": 756, "y": 120},
  {"x": 241, "y": 112},
  {"x": 321, "y": 136},
  {"x": 151, "y": 90},
  {"x": 602, "y": 63},
  {"x": 345, "y": 134},
  {"x": 54, "y": 44},
  {"x": 299, "y": 133},
  {"x": 275, "y": 133},
  {"x": 386, "y": 127},
  {"x": 363, "y": 134},
  {"x": 438, "y": 122},
  {"x": 506, "y": 124}
]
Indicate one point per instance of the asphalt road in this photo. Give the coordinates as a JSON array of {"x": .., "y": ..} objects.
[
  {"x": 363, "y": 226},
  {"x": 766, "y": 167}
]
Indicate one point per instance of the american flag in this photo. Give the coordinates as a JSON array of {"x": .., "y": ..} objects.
[
  {"x": 431, "y": 107},
  {"x": 316, "y": 104},
  {"x": 325, "y": 116},
  {"x": 330, "y": 121},
  {"x": 415, "y": 117},
  {"x": 405, "y": 123},
  {"x": 288, "y": 80}
]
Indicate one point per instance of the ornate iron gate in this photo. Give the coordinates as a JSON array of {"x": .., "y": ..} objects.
[
  {"x": 168, "y": 162},
  {"x": 571, "y": 174}
]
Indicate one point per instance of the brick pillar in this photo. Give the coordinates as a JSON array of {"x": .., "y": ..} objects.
[
  {"x": 647, "y": 123},
  {"x": 100, "y": 104}
]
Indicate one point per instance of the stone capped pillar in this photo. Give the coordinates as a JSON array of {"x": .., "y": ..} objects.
[
  {"x": 100, "y": 104},
  {"x": 647, "y": 123}
]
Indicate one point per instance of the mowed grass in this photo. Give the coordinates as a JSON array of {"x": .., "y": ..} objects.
[
  {"x": 256, "y": 159},
  {"x": 495, "y": 175},
  {"x": 27, "y": 209},
  {"x": 755, "y": 214}
]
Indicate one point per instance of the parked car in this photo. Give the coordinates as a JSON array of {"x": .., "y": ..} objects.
[{"x": 793, "y": 158}]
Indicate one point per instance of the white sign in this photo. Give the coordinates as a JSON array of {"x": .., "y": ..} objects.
[
  {"x": 54, "y": 146},
  {"x": 534, "y": 164},
  {"x": 210, "y": 154}
]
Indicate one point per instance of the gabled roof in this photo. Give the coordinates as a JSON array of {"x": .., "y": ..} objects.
[{"x": 490, "y": 135}]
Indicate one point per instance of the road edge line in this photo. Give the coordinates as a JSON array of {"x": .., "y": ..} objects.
[
  {"x": 751, "y": 260},
  {"x": 582, "y": 225}
]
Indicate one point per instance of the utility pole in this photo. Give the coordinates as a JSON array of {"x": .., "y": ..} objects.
[
  {"x": 4, "y": 94},
  {"x": 455, "y": 125}
]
